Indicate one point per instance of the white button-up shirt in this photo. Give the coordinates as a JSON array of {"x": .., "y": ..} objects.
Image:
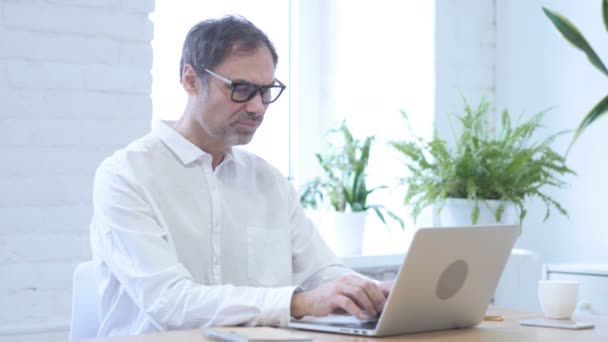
[{"x": 180, "y": 245}]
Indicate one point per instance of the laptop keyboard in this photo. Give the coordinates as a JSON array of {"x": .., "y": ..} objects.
[{"x": 345, "y": 321}]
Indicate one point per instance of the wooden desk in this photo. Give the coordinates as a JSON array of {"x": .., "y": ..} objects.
[{"x": 507, "y": 330}]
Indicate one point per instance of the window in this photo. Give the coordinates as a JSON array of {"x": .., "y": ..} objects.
[
  {"x": 359, "y": 60},
  {"x": 384, "y": 62}
]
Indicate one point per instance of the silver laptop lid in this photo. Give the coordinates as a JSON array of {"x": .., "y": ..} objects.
[{"x": 446, "y": 281}]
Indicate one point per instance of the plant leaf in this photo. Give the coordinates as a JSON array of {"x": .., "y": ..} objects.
[
  {"x": 575, "y": 37},
  {"x": 475, "y": 213},
  {"x": 605, "y": 13},
  {"x": 593, "y": 115}
]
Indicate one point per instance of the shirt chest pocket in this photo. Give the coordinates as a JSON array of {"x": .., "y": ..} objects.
[{"x": 268, "y": 257}]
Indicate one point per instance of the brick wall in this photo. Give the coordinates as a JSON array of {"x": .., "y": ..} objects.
[
  {"x": 74, "y": 86},
  {"x": 465, "y": 60}
]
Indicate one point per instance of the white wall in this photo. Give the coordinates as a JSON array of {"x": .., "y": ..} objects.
[
  {"x": 74, "y": 86},
  {"x": 538, "y": 69},
  {"x": 509, "y": 50},
  {"x": 465, "y": 41}
]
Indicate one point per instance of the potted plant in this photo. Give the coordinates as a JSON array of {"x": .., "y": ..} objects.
[
  {"x": 341, "y": 192},
  {"x": 576, "y": 38},
  {"x": 488, "y": 168}
]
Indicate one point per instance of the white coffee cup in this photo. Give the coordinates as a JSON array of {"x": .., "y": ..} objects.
[{"x": 558, "y": 298}]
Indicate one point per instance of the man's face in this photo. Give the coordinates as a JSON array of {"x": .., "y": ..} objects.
[{"x": 226, "y": 122}]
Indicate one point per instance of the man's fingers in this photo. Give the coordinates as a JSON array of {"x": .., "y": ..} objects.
[
  {"x": 349, "y": 306},
  {"x": 386, "y": 287},
  {"x": 360, "y": 296},
  {"x": 372, "y": 291},
  {"x": 355, "y": 294}
]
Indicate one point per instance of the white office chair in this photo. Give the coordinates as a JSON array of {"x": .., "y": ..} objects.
[{"x": 85, "y": 302}]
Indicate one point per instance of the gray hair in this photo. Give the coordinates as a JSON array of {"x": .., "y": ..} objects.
[{"x": 211, "y": 41}]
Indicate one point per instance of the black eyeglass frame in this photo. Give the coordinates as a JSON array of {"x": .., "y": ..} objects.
[{"x": 257, "y": 89}]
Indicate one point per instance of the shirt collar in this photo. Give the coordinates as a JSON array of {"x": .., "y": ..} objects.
[
  {"x": 233, "y": 155},
  {"x": 186, "y": 151}
]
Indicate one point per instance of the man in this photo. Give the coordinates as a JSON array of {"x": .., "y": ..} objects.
[{"x": 189, "y": 231}]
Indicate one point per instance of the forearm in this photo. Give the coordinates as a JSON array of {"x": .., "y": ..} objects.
[
  {"x": 298, "y": 306},
  {"x": 189, "y": 305}
]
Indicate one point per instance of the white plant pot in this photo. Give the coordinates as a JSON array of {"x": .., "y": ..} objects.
[
  {"x": 457, "y": 212},
  {"x": 343, "y": 231}
]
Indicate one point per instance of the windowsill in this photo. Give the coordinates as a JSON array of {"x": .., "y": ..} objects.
[
  {"x": 588, "y": 269},
  {"x": 518, "y": 256},
  {"x": 373, "y": 261}
]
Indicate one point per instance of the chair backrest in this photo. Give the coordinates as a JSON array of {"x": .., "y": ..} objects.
[{"x": 85, "y": 302}]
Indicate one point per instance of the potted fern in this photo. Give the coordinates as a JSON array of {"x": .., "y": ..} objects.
[
  {"x": 340, "y": 194},
  {"x": 489, "y": 170}
]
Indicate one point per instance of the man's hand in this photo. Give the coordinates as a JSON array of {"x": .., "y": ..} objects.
[
  {"x": 386, "y": 287},
  {"x": 355, "y": 294}
]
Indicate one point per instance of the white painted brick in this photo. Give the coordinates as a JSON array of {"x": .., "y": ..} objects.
[
  {"x": 120, "y": 25},
  {"x": 136, "y": 55},
  {"x": 88, "y": 3},
  {"x": 61, "y": 336},
  {"x": 44, "y": 75},
  {"x": 44, "y": 219},
  {"x": 137, "y": 6},
  {"x": 45, "y": 190},
  {"x": 467, "y": 76},
  {"x": 74, "y": 86},
  {"x": 51, "y": 161},
  {"x": 101, "y": 77},
  {"x": 73, "y": 103},
  {"x": 3, "y": 73},
  {"x": 117, "y": 78},
  {"x": 474, "y": 34},
  {"x": 465, "y": 57},
  {"x": 46, "y": 133},
  {"x": 43, "y": 17},
  {"x": 53, "y": 276},
  {"x": 478, "y": 56},
  {"x": 53, "y": 47},
  {"x": 47, "y": 248},
  {"x": 35, "y": 307},
  {"x": 79, "y": 20}
]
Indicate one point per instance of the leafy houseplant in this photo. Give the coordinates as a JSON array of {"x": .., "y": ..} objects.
[
  {"x": 343, "y": 185},
  {"x": 506, "y": 166},
  {"x": 576, "y": 38}
]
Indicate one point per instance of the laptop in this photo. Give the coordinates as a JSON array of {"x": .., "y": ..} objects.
[{"x": 446, "y": 281}]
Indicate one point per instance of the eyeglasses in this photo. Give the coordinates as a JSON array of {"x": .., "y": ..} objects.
[{"x": 243, "y": 91}]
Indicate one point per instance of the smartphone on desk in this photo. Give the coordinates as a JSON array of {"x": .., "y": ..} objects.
[
  {"x": 254, "y": 334},
  {"x": 556, "y": 323}
]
